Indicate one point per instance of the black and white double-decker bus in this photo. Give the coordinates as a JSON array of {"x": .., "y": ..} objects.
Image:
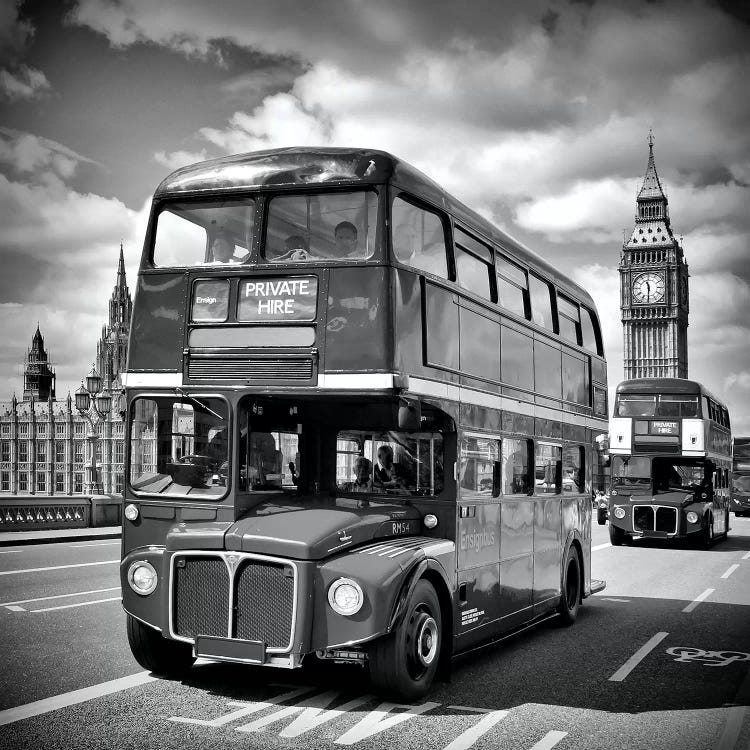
[
  {"x": 361, "y": 422},
  {"x": 671, "y": 456}
]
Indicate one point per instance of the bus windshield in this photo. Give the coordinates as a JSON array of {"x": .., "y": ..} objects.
[
  {"x": 402, "y": 463},
  {"x": 631, "y": 473},
  {"x": 670, "y": 475},
  {"x": 178, "y": 446}
]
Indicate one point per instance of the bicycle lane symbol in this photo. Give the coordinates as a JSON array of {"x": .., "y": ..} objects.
[{"x": 686, "y": 654}]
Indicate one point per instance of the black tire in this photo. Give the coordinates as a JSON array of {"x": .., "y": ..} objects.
[
  {"x": 617, "y": 536},
  {"x": 570, "y": 599},
  {"x": 707, "y": 535},
  {"x": 157, "y": 654},
  {"x": 404, "y": 662}
]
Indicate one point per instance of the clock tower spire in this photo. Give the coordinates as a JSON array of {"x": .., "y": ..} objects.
[{"x": 653, "y": 287}]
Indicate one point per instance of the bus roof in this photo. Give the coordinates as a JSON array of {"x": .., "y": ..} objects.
[
  {"x": 340, "y": 167},
  {"x": 665, "y": 385}
]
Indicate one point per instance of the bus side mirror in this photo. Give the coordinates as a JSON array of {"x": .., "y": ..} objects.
[{"x": 409, "y": 415}]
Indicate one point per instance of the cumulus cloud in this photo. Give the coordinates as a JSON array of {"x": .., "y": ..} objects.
[
  {"x": 18, "y": 81},
  {"x": 176, "y": 159}
]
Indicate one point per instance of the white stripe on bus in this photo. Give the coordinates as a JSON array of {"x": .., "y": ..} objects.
[{"x": 151, "y": 379}]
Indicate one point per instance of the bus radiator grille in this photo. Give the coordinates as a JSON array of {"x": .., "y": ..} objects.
[
  {"x": 201, "y": 597},
  {"x": 250, "y": 369},
  {"x": 643, "y": 518},
  {"x": 666, "y": 519},
  {"x": 265, "y": 603},
  {"x": 661, "y": 519}
]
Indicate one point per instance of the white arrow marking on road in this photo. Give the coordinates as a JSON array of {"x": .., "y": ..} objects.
[
  {"x": 57, "y": 567},
  {"x": 71, "y": 699},
  {"x": 549, "y": 740},
  {"x": 637, "y": 657},
  {"x": 60, "y": 596},
  {"x": 728, "y": 572},
  {"x": 698, "y": 599}
]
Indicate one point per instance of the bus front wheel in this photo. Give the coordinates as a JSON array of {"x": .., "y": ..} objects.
[
  {"x": 617, "y": 536},
  {"x": 157, "y": 654},
  {"x": 405, "y": 661},
  {"x": 708, "y": 532},
  {"x": 570, "y": 598}
]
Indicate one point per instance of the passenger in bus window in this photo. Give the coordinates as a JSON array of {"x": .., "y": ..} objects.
[
  {"x": 362, "y": 475},
  {"x": 222, "y": 250},
  {"x": 385, "y": 470},
  {"x": 345, "y": 237}
]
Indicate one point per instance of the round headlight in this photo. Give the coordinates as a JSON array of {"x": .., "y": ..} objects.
[
  {"x": 131, "y": 512},
  {"x": 704, "y": 495},
  {"x": 142, "y": 577},
  {"x": 345, "y": 596},
  {"x": 619, "y": 512},
  {"x": 430, "y": 521},
  {"x": 692, "y": 517}
]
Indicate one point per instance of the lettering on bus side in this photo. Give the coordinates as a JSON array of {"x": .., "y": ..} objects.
[{"x": 281, "y": 299}]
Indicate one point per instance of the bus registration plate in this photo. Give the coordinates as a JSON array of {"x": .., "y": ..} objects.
[{"x": 231, "y": 649}]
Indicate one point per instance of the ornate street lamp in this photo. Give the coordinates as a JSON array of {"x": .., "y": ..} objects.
[{"x": 93, "y": 404}]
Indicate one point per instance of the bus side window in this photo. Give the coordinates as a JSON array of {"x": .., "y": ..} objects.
[
  {"x": 516, "y": 467},
  {"x": 548, "y": 469},
  {"x": 541, "y": 302},
  {"x": 573, "y": 470},
  {"x": 419, "y": 238}
]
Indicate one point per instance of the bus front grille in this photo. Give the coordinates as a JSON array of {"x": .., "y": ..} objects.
[
  {"x": 250, "y": 368},
  {"x": 201, "y": 596},
  {"x": 234, "y": 595},
  {"x": 265, "y": 604},
  {"x": 654, "y": 518}
]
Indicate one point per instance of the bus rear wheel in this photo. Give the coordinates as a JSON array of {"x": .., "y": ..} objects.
[
  {"x": 707, "y": 536},
  {"x": 570, "y": 598},
  {"x": 405, "y": 661},
  {"x": 157, "y": 654},
  {"x": 617, "y": 536}
]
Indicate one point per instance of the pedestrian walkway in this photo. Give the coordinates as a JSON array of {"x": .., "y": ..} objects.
[{"x": 49, "y": 536}]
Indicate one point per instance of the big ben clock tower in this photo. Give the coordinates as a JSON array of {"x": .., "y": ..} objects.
[{"x": 653, "y": 288}]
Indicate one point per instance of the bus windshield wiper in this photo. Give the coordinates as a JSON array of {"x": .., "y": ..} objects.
[{"x": 185, "y": 394}]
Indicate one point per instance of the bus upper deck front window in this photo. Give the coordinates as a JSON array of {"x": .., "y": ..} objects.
[
  {"x": 213, "y": 233},
  {"x": 677, "y": 406},
  {"x": 179, "y": 447},
  {"x": 398, "y": 463},
  {"x": 321, "y": 226},
  {"x": 634, "y": 405},
  {"x": 631, "y": 472}
]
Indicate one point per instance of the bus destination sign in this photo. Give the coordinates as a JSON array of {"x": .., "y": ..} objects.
[
  {"x": 277, "y": 300},
  {"x": 665, "y": 428}
]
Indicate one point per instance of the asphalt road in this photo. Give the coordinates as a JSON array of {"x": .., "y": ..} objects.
[{"x": 660, "y": 659}]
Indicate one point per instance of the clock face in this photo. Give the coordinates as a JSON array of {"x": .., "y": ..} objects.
[{"x": 648, "y": 287}]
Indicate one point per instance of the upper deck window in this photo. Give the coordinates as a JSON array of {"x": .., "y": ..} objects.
[
  {"x": 321, "y": 226},
  {"x": 541, "y": 304},
  {"x": 204, "y": 233},
  {"x": 473, "y": 264},
  {"x": 663, "y": 405},
  {"x": 589, "y": 330},
  {"x": 512, "y": 286},
  {"x": 419, "y": 238},
  {"x": 569, "y": 319}
]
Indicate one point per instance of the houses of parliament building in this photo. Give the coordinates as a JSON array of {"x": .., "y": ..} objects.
[{"x": 45, "y": 441}]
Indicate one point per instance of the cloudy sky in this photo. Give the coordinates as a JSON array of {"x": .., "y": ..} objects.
[{"x": 536, "y": 113}]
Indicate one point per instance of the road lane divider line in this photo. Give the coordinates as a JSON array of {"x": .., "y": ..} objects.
[
  {"x": 57, "y": 567},
  {"x": 14, "y": 608},
  {"x": 612, "y": 599},
  {"x": 728, "y": 572},
  {"x": 59, "y": 596},
  {"x": 637, "y": 657},
  {"x": 469, "y": 737},
  {"x": 79, "y": 604},
  {"x": 746, "y": 556},
  {"x": 600, "y": 546},
  {"x": 549, "y": 740},
  {"x": 698, "y": 599},
  {"x": 95, "y": 544},
  {"x": 37, "y": 708}
]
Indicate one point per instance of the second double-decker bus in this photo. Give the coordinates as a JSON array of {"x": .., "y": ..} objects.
[
  {"x": 361, "y": 423},
  {"x": 670, "y": 446},
  {"x": 741, "y": 476}
]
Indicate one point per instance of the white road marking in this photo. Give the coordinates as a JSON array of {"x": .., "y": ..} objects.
[
  {"x": 95, "y": 544},
  {"x": 79, "y": 604},
  {"x": 376, "y": 721},
  {"x": 728, "y": 572},
  {"x": 14, "y": 608},
  {"x": 600, "y": 546},
  {"x": 637, "y": 657},
  {"x": 549, "y": 740},
  {"x": 698, "y": 599},
  {"x": 746, "y": 556},
  {"x": 612, "y": 599},
  {"x": 467, "y": 738},
  {"x": 57, "y": 567},
  {"x": 71, "y": 699},
  {"x": 60, "y": 596},
  {"x": 8, "y": 551}
]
